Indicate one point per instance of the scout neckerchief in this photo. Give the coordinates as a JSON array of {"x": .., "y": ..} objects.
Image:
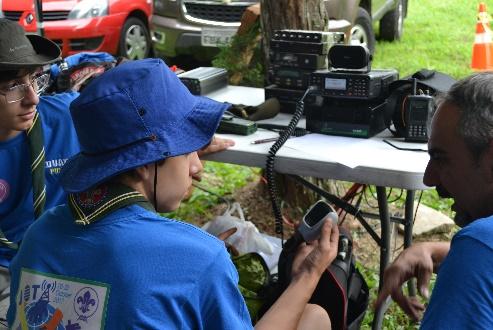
[
  {"x": 36, "y": 147},
  {"x": 93, "y": 204}
]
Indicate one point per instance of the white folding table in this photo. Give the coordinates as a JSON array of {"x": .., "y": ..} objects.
[{"x": 368, "y": 161}]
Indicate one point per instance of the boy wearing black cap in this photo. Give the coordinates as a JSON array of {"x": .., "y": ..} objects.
[
  {"x": 122, "y": 265},
  {"x": 36, "y": 138}
]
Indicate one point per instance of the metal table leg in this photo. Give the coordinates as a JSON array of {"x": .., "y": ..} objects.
[
  {"x": 384, "y": 240},
  {"x": 385, "y": 244},
  {"x": 384, "y": 249},
  {"x": 408, "y": 232}
]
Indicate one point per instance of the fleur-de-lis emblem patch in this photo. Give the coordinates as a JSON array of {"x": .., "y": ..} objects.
[{"x": 86, "y": 303}]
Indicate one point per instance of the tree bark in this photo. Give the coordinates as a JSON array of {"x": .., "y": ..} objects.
[
  {"x": 291, "y": 14},
  {"x": 308, "y": 15}
]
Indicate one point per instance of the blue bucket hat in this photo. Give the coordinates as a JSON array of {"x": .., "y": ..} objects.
[{"x": 135, "y": 114}]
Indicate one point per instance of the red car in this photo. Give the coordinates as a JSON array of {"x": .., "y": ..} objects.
[{"x": 119, "y": 27}]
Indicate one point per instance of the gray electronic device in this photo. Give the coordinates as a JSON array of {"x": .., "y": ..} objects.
[
  {"x": 350, "y": 85},
  {"x": 312, "y": 221},
  {"x": 203, "y": 80}
]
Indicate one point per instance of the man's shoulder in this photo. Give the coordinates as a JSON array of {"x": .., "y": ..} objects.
[{"x": 480, "y": 230}]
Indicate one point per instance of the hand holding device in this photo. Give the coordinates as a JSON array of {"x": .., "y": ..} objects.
[{"x": 314, "y": 219}]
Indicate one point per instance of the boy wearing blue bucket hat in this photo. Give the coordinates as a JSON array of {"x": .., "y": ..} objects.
[
  {"x": 107, "y": 259},
  {"x": 36, "y": 138}
]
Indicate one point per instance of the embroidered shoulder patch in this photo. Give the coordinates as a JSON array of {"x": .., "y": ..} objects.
[
  {"x": 48, "y": 301},
  {"x": 4, "y": 190}
]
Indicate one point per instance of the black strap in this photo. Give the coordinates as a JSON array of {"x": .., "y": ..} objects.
[{"x": 36, "y": 147}]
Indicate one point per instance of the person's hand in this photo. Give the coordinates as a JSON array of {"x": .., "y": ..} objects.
[
  {"x": 217, "y": 144},
  {"x": 316, "y": 256},
  {"x": 415, "y": 261}
]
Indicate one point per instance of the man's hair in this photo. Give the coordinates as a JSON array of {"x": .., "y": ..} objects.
[
  {"x": 9, "y": 75},
  {"x": 474, "y": 98}
]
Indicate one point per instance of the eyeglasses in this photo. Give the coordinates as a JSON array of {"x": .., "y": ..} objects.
[{"x": 18, "y": 92}]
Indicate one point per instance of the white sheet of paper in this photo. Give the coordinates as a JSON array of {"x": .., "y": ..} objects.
[{"x": 350, "y": 152}]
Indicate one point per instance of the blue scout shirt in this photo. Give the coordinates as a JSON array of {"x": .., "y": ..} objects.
[
  {"x": 16, "y": 195},
  {"x": 132, "y": 269}
]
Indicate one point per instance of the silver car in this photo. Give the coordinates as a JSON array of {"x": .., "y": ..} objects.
[{"x": 198, "y": 27}]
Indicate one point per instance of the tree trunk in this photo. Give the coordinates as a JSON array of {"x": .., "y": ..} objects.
[
  {"x": 291, "y": 14},
  {"x": 296, "y": 15}
]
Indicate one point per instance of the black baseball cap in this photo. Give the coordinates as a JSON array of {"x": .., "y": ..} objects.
[{"x": 19, "y": 50}]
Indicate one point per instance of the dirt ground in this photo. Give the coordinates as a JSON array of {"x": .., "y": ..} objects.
[{"x": 257, "y": 208}]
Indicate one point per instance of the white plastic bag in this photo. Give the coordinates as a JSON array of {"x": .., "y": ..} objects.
[{"x": 247, "y": 237}]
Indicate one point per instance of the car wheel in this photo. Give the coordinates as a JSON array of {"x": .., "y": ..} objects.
[
  {"x": 362, "y": 31},
  {"x": 391, "y": 23},
  {"x": 135, "y": 41}
]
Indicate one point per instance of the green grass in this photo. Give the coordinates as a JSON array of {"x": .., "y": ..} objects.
[{"x": 437, "y": 35}]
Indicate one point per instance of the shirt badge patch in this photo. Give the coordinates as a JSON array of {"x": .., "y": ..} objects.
[
  {"x": 93, "y": 197},
  {"x": 48, "y": 301},
  {"x": 4, "y": 190}
]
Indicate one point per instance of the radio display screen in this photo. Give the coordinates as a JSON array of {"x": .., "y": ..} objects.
[
  {"x": 338, "y": 84},
  {"x": 419, "y": 112},
  {"x": 289, "y": 73}
]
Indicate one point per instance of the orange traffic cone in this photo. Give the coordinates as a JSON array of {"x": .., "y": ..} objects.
[{"x": 482, "y": 51}]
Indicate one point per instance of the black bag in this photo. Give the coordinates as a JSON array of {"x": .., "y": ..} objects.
[
  {"x": 429, "y": 81},
  {"x": 76, "y": 71},
  {"x": 342, "y": 291}
]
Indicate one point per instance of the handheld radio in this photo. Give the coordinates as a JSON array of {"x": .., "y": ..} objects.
[
  {"x": 418, "y": 114},
  {"x": 314, "y": 219}
]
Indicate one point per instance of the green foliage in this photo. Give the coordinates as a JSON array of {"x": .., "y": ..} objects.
[
  {"x": 220, "y": 179},
  {"x": 228, "y": 58}
]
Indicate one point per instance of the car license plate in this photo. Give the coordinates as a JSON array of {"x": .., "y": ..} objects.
[{"x": 217, "y": 37}]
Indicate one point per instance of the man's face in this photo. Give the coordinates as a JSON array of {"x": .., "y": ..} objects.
[
  {"x": 454, "y": 171},
  {"x": 17, "y": 116}
]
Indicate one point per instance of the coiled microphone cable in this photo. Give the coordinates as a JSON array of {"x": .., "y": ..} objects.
[{"x": 269, "y": 165}]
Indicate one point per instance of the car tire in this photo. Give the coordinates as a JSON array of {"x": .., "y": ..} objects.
[
  {"x": 135, "y": 41},
  {"x": 362, "y": 31},
  {"x": 391, "y": 24}
]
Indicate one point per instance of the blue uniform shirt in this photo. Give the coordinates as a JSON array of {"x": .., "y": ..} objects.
[
  {"x": 463, "y": 294},
  {"x": 131, "y": 269},
  {"x": 16, "y": 195}
]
